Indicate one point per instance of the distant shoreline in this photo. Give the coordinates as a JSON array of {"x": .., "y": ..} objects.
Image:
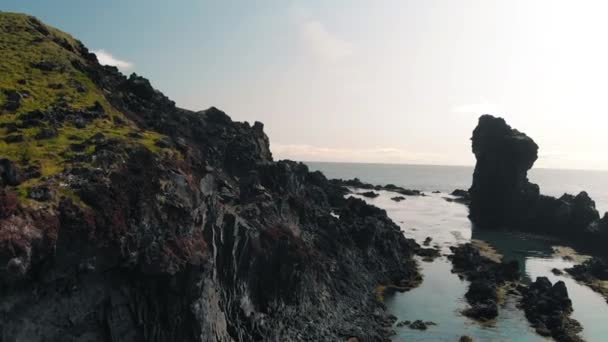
[{"x": 440, "y": 165}]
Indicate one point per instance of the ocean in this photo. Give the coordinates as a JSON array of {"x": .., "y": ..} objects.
[
  {"x": 554, "y": 182},
  {"x": 440, "y": 297}
]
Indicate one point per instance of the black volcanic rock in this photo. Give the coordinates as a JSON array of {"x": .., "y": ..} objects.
[
  {"x": 500, "y": 187},
  {"x": 9, "y": 173},
  {"x": 357, "y": 183},
  {"x": 486, "y": 276},
  {"x": 548, "y": 309},
  {"x": 502, "y": 197},
  {"x": 369, "y": 194},
  {"x": 148, "y": 222}
]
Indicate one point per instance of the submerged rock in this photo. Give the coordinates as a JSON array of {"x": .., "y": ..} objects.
[
  {"x": 398, "y": 198},
  {"x": 418, "y": 325}
]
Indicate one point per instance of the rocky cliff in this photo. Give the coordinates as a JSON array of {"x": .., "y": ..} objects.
[
  {"x": 502, "y": 197},
  {"x": 126, "y": 218}
]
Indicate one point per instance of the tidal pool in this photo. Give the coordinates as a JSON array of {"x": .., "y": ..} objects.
[{"x": 440, "y": 297}]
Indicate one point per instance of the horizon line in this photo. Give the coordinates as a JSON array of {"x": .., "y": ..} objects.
[{"x": 440, "y": 165}]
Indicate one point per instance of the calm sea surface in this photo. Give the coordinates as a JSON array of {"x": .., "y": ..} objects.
[
  {"x": 440, "y": 297},
  {"x": 447, "y": 178}
]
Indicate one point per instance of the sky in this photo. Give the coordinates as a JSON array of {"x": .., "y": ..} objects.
[{"x": 386, "y": 81}]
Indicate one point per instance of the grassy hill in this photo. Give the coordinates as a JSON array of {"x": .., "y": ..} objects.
[{"x": 52, "y": 114}]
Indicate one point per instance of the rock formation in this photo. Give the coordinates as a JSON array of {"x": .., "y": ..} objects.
[
  {"x": 126, "y": 218},
  {"x": 548, "y": 309},
  {"x": 486, "y": 276},
  {"x": 502, "y": 197}
]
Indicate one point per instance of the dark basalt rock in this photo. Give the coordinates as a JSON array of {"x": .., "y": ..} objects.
[
  {"x": 460, "y": 193},
  {"x": 369, "y": 194},
  {"x": 218, "y": 243},
  {"x": 548, "y": 309},
  {"x": 13, "y": 100},
  {"x": 418, "y": 325},
  {"x": 47, "y": 66},
  {"x": 500, "y": 185},
  {"x": 357, "y": 183},
  {"x": 502, "y": 197},
  {"x": 428, "y": 254},
  {"x": 13, "y": 138},
  {"x": 398, "y": 198},
  {"x": 46, "y": 133},
  {"x": 40, "y": 193},
  {"x": 593, "y": 273},
  {"x": 461, "y": 196},
  {"x": 9, "y": 173},
  {"x": 485, "y": 276}
]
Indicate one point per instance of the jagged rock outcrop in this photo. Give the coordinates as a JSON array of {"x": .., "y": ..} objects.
[
  {"x": 502, "y": 197},
  {"x": 136, "y": 220},
  {"x": 548, "y": 309},
  {"x": 593, "y": 273},
  {"x": 357, "y": 183},
  {"x": 486, "y": 276}
]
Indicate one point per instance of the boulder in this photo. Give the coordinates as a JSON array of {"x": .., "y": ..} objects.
[
  {"x": 40, "y": 193},
  {"x": 13, "y": 100}
]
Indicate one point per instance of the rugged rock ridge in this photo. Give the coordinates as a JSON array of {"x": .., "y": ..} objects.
[
  {"x": 502, "y": 197},
  {"x": 548, "y": 309},
  {"x": 126, "y": 218},
  {"x": 486, "y": 277}
]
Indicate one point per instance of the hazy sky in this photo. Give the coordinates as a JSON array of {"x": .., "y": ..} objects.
[{"x": 368, "y": 81}]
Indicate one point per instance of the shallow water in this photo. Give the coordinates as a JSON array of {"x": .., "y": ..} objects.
[{"x": 440, "y": 297}]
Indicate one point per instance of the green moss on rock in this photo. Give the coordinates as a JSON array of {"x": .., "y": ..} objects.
[{"x": 39, "y": 68}]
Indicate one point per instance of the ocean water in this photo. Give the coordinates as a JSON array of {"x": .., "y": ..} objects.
[
  {"x": 440, "y": 297},
  {"x": 447, "y": 178}
]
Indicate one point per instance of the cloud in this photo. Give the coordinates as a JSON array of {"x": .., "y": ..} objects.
[
  {"x": 368, "y": 155},
  {"x": 106, "y": 58},
  {"x": 322, "y": 44}
]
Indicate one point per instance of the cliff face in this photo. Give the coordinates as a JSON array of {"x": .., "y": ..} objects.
[
  {"x": 126, "y": 218},
  {"x": 502, "y": 196}
]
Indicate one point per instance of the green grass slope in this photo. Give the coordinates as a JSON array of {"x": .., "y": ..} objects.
[{"x": 38, "y": 73}]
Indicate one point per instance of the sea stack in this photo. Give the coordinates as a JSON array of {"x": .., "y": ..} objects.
[
  {"x": 500, "y": 187},
  {"x": 503, "y": 197}
]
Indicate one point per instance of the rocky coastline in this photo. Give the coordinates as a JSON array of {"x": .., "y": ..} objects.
[{"x": 124, "y": 217}]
